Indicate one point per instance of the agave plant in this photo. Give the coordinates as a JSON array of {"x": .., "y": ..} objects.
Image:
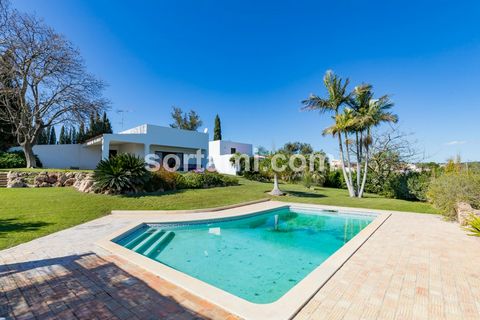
[
  {"x": 474, "y": 225},
  {"x": 120, "y": 174}
]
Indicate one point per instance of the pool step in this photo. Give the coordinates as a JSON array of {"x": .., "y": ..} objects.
[
  {"x": 160, "y": 244},
  {"x": 133, "y": 242},
  {"x": 148, "y": 241}
]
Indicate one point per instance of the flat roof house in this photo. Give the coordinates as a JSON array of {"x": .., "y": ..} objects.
[
  {"x": 221, "y": 151},
  {"x": 142, "y": 140}
]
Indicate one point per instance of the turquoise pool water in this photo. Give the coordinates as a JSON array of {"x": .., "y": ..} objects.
[{"x": 257, "y": 258}]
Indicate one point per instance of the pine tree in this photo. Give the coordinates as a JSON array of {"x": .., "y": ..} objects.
[
  {"x": 68, "y": 136},
  {"x": 91, "y": 128},
  {"x": 106, "y": 125},
  {"x": 98, "y": 125},
  {"x": 52, "y": 138},
  {"x": 81, "y": 133},
  {"x": 190, "y": 121},
  {"x": 73, "y": 136},
  {"x": 62, "y": 138},
  {"x": 217, "y": 132},
  {"x": 43, "y": 137}
]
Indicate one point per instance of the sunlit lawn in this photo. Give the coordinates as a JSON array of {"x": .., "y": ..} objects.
[{"x": 26, "y": 214}]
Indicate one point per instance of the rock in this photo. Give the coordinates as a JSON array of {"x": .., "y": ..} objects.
[
  {"x": 11, "y": 175},
  {"x": 52, "y": 178},
  {"x": 86, "y": 184},
  {"x": 464, "y": 211},
  {"x": 40, "y": 178},
  {"x": 45, "y": 185},
  {"x": 16, "y": 183},
  {"x": 69, "y": 182},
  {"x": 61, "y": 178}
]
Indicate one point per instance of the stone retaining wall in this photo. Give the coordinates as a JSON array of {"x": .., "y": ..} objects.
[
  {"x": 79, "y": 180},
  {"x": 464, "y": 211}
]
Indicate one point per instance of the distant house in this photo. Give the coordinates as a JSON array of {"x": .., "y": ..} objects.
[
  {"x": 336, "y": 165},
  {"x": 221, "y": 151},
  {"x": 140, "y": 141}
]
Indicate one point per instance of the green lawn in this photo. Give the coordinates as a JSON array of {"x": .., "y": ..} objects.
[{"x": 26, "y": 214}]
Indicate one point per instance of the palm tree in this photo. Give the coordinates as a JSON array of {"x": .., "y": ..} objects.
[
  {"x": 344, "y": 123},
  {"x": 337, "y": 97},
  {"x": 373, "y": 115},
  {"x": 360, "y": 100}
]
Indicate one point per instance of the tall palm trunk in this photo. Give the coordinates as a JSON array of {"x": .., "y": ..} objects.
[
  {"x": 365, "y": 170},
  {"x": 359, "y": 160},
  {"x": 349, "y": 163},
  {"x": 342, "y": 158}
]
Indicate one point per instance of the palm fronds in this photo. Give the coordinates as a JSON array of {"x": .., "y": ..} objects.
[{"x": 473, "y": 225}]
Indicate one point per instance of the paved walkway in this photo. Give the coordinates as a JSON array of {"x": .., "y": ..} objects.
[{"x": 414, "y": 267}]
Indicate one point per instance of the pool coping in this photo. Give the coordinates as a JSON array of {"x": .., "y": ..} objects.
[{"x": 284, "y": 308}]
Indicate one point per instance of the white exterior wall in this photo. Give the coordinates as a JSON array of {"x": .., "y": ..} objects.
[
  {"x": 222, "y": 147},
  {"x": 223, "y": 165},
  {"x": 220, "y": 154},
  {"x": 65, "y": 156}
]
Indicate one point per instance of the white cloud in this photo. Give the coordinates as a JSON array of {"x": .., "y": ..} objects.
[{"x": 455, "y": 143}]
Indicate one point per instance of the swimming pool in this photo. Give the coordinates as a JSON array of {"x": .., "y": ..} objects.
[
  {"x": 257, "y": 258},
  {"x": 257, "y": 261}
]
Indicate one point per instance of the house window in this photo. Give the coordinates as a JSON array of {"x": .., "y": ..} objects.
[
  {"x": 171, "y": 161},
  {"x": 233, "y": 150}
]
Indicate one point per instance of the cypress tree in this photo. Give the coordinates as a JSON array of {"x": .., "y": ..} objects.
[
  {"x": 98, "y": 125},
  {"x": 73, "y": 136},
  {"x": 81, "y": 133},
  {"x": 91, "y": 128},
  {"x": 68, "y": 136},
  {"x": 62, "y": 138},
  {"x": 52, "y": 138},
  {"x": 217, "y": 131},
  {"x": 106, "y": 125},
  {"x": 43, "y": 137}
]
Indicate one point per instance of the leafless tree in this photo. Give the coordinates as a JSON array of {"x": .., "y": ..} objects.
[
  {"x": 391, "y": 151},
  {"x": 43, "y": 79}
]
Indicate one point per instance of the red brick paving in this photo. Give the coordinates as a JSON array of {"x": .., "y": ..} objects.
[{"x": 94, "y": 287}]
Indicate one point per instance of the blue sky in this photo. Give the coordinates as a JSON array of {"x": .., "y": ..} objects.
[{"x": 252, "y": 62}]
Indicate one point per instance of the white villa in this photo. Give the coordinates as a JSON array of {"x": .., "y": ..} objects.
[
  {"x": 221, "y": 151},
  {"x": 141, "y": 141}
]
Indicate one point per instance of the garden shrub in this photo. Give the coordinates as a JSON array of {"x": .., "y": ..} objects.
[
  {"x": 401, "y": 185},
  {"x": 334, "y": 179},
  {"x": 418, "y": 184},
  {"x": 256, "y": 176},
  {"x": 15, "y": 159},
  {"x": 162, "y": 180},
  {"x": 310, "y": 179},
  {"x": 451, "y": 188},
  {"x": 396, "y": 187},
  {"x": 197, "y": 180},
  {"x": 123, "y": 173},
  {"x": 307, "y": 180}
]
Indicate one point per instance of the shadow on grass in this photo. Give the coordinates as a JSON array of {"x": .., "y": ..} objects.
[
  {"x": 304, "y": 194},
  {"x": 15, "y": 225},
  {"x": 169, "y": 192},
  {"x": 83, "y": 287}
]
